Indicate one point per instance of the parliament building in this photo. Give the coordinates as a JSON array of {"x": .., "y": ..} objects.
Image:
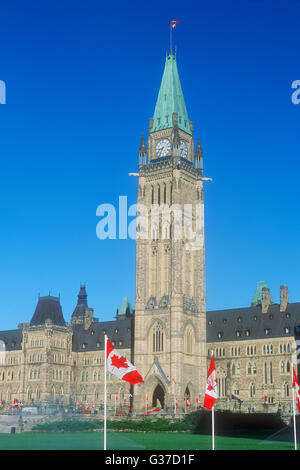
[{"x": 168, "y": 334}]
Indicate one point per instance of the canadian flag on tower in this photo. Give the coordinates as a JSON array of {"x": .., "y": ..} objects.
[
  {"x": 119, "y": 366},
  {"x": 211, "y": 392},
  {"x": 173, "y": 24}
]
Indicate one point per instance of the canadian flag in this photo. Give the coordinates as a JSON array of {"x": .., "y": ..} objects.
[
  {"x": 176, "y": 402},
  {"x": 211, "y": 392},
  {"x": 265, "y": 400},
  {"x": 297, "y": 389},
  {"x": 173, "y": 24},
  {"x": 119, "y": 366}
]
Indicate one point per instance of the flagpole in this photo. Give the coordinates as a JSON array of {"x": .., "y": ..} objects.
[
  {"x": 294, "y": 411},
  {"x": 213, "y": 427},
  {"x": 105, "y": 374},
  {"x": 213, "y": 420},
  {"x": 170, "y": 38}
]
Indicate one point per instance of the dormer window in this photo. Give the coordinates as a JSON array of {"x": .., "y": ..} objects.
[
  {"x": 84, "y": 346},
  {"x": 267, "y": 331},
  {"x": 220, "y": 334},
  {"x": 286, "y": 329},
  {"x": 98, "y": 344}
]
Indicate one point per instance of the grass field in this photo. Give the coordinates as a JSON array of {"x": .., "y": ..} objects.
[{"x": 137, "y": 441}]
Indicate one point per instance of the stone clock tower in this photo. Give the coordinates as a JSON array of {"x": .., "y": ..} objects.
[{"x": 170, "y": 317}]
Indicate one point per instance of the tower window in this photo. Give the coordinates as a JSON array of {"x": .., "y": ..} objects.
[{"x": 157, "y": 339}]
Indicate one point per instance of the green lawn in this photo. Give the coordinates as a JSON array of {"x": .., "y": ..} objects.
[{"x": 138, "y": 441}]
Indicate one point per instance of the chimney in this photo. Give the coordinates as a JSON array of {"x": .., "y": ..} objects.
[
  {"x": 266, "y": 300},
  {"x": 284, "y": 298}
]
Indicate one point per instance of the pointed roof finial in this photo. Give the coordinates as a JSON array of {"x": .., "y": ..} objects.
[
  {"x": 142, "y": 148},
  {"x": 199, "y": 153}
]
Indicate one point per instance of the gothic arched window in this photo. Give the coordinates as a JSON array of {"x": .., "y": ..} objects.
[
  {"x": 189, "y": 340},
  {"x": 157, "y": 338},
  {"x": 252, "y": 390}
]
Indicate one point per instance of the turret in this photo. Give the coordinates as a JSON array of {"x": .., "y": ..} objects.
[
  {"x": 199, "y": 158},
  {"x": 143, "y": 152},
  {"x": 82, "y": 313}
]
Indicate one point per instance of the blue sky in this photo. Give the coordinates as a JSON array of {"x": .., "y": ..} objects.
[{"x": 82, "y": 81}]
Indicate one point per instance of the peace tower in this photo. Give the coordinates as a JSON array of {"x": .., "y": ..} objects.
[{"x": 170, "y": 315}]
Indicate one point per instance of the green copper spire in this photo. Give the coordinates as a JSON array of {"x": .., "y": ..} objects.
[
  {"x": 125, "y": 309},
  {"x": 257, "y": 298},
  {"x": 170, "y": 100}
]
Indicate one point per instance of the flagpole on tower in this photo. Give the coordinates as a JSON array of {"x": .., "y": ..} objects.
[
  {"x": 105, "y": 374},
  {"x": 172, "y": 25}
]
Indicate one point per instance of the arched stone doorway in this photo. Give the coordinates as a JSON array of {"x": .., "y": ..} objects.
[
  {"x": 187, "y": 394},
  {"x": 158, "y": 398}
]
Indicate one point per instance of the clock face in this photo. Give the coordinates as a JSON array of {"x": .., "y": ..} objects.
[
  {"x": 163, "y": 147},
  {"x": 183, "y": 149}
]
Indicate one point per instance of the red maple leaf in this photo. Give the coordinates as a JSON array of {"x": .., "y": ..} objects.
[{"x": 119, "y": 362}]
